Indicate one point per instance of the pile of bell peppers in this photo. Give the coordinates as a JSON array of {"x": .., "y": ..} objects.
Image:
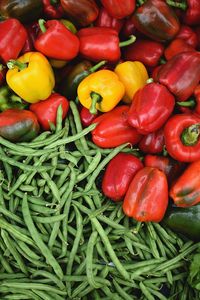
[{"x": 133, "y": 68}]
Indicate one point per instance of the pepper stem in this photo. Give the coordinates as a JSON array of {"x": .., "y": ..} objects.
[
  {"x": 190, "y": 103},
  {"x": 41, "y": 23},
  {"x": 15, "y": 63},
  {"x": 53, "y": 2},
  {"x": 149, "y": 80},
  {"x": 16, "y": 98},
  {"x": 96, "y": 98},
  {"x": 130, "y": 41},
  {"x": 190, "y": 135},
  {"x": 1, "y": 67},
  {"x": 140, "y": 2},
  {"x": 97, "y": 66},
  {"x": 180, "y": 5}
]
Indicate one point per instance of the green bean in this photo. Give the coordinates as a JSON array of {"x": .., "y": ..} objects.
[
  {"x": 93, "y": 165},
  {"x": 49, "y": 220},
  {"x": 53, "y": 278},
  {"x": 10, "y": 215},
  {"x": 5, "y": 264},
  {"x": 121, "y": 292},
  {"x": 26, "y": 249},
  {"x": 65, "y": 227},
  {"x": 7, "y": 167},
  {"x": 59, "y": 118},
  {"x": 79, "y": 289},
  {"x": 146, "y": 292},
  {"x": 51, "y": 184},
  {"x": 43, "y": 295}
]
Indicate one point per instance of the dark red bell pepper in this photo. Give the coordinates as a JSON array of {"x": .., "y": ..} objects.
[
  {"x": 197, "y": 31},
  {"x": 119, "y": 174},
  {"x": 3, "y": 71},
  {"x": 146, "y": 51},
  {"x": 52, "y": 9},
  {"x": 46, "y": 110},
  {"x": 86, "y": 117},
  {"x": 56, "y": 41},
  {"x": 129, "y": 27},
  {"x": 151, "y": 107},
  {"x": 187, "y": 34},
  {"x": 119, "y": 8},
  {"x": 32, "y": 32},
  {"x": 177, "y": 46},
  {"x": 18, "y": 125},
  {"x": 181, "y": 74},
  {"x": 147, "y": 197},
  {"x": 83, "y": 12},
  {"x": 113, "y": 129},
  {"x": 152, "y": 142},
  {"x": 12, "y": 36},
  {"x": 157, "y": 20},
  {"x": 192, "y": 14},
  {"x": 106, "y": 20},
  {"x": 182, "y": 140}
]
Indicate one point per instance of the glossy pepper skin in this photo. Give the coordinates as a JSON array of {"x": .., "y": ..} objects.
[
  {"x": 119, "y": 174},
  {"x": 56, "y": 41},
  {"x": 9, "y": 100},
  {"x": 151, "y": 107},
  {"x": 147, "y": 197},
  {"x": 46, "y": 110},
  {"x": 181, "y": 74},
  {"x": 113, "y": 129},
  {"x": 177, "y": 46},
  {"x": 34, "y": 79},
  {"x": 185, "y": 191},
  {"x": 187, "y": 34},
  {"x": 25, "y": 11},
  {"x": 52, "y": 9},
  {"x": 133, "y": 75},
  {"x": 86, "y": 117},
  {"x": 153, "y": 142},
  {"x": 18, "y": 125},
  {"x": 163, "y": 26},
  {"x": 146, "y": 51},
  {"x": 106, "y": 20},
  {"x": 83, "y": 12},
  {"x": 192, "y": 15},
  {"x": 182, "y": 141},
  {"x": 119, "y": 9},
  {"x": 101, "y": 90},
  {"x": 12, "y": 36}
]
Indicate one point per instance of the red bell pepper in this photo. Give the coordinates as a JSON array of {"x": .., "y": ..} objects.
[
  {"x": 193, "y": 104},
  {"x": 3, "y": 71},
  {"x": 152, "y": 142},
  {"x": 129, "y": 27},
  {"x": 177, "y": 46},
  {"x": 12, "y": 36},
  {"x": 53, "y": 9},
  {"x": 192, "y": 14},
  {"x": 101, "y": 43},
  {"x": 119, "y": 9},
  {"x": 119, "y": 174},
  {"x": 113, "y": 129},
  {"x": 187, "y": 34},
  {"x": 186, "y": 190},
  {"x": 181, "y": 74},
  {"x": 83, "y": 12},
  {"x": 156, "y": 20},
  {"x": 151, "y": 107},
  {"x": 32, "y": 32},
  {"x": 56, "y": 41},
  {"x": 46, "y": 110},
  {"x": 197, "y": 31},
  {"x": 106, "y": 20},
  {"x": 86, "y": 117},
  {"x": 147, "y": 197},
  {"x": 146, "y": 51},
  {"x": 182, "y": 140}
]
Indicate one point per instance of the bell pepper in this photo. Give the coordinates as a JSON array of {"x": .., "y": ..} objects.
[
  {"x": 83, "y": 12},
  {"x": 3, "y": 71},
  {"x": 106, "y": 20},
  {"x": 52, "y": 9},
  {"x": 9, "y": 100},
  {"x": 119, "y": 9},
  {"x": 56, "y": 41},
  {"x": 146, "y": 51},
  {"x": 113, "y": 129},
  {"x": 101, "y": 91},
  {"x": 185, "y": 191},
  {"x": 133, "y": 75},
  {"x": 192, "y": 14},
  {"x": 129, "y": 27},
  {"x": 119, "y": 174},
  {"x": 181, "y": 74},
  {"x": 25, "y": 11},
  {"x": 86, "y": 117},
  {"x": 185, "y": 221},
  {"x": 182, "y": 140},
  {"x": 101, "y": 43},
  {"x": 31, "y": 77},
  {"x": 46, "y": 110},
  {"x": 177, "y": 46},
  {"x": 147, "y": 197},
  {"x": 151, "y": 107},
  {"x": 69, "y": 25},
  {"x": 192, "y": 105},
  {"x": 18, "y": 125},
  {"x": 12, "y": 36},
  {"x": 197, "y": 31},
  {"x": 152, "y": 142},
  {"x": 32, "y": 32},
  {"x": 157, "y": 20},
  {"x": 187, "y": 34}
]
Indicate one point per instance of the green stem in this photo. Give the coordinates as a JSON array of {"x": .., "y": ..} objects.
[
  {"x": 131, "y": 40},
  {"x": 1, "y": 67},
  {"x": 97, "y": 66},
  {"x": 16, "y": 98},
  {"x": 149, "y": 80},
  {"x": 15, "y": 63},
  {"x": 180, "y": 5},
  {"x": 96, "y": 98},
  {"x": 41, "y": 23},
  {"x": 162, "y": 61},
  {"x": 190, "y": 135},
  {"x": 190, "y": 103},
  {"x": 53, "y": 2},
  {"x": 140, "y": 2}
]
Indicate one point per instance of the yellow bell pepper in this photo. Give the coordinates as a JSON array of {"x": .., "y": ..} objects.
[
  {"x": 133, "y": 75},
  {"x": 31, "y": 77},
  {"x": 101, "y": 91}
]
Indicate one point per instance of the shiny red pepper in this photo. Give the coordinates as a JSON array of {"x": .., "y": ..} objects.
[
  {"x": 182, "y": 140},
  {"x": 147, "y": 197},
  {"x": 119, "y": 174},
  {"x": 46, "y": 110},
  {"x": 119, "y": 8},
  {"x": 106, "y": 20},
  {"x": 113, "y": 129},
  {"x": 12, "y": 36},
  {"x": 152, "y": 142},
  {"x": 181, "y": 74},
  {"x": 86, "y": 117},
  {"x": 129, "y": 27},
  {"x": 56, "y": 41},
  {"x": 187, "y": 34},
  {"x": 151, "y": 107},
  {"x": 146, "y": 51},
  {"x": 177, "y": 46},
  {"x": 192, "y": 15},
  {"x": 53, "y": 9}
]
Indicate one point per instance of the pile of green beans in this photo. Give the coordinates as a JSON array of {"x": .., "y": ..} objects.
[{"x": 60, "y": 238}]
